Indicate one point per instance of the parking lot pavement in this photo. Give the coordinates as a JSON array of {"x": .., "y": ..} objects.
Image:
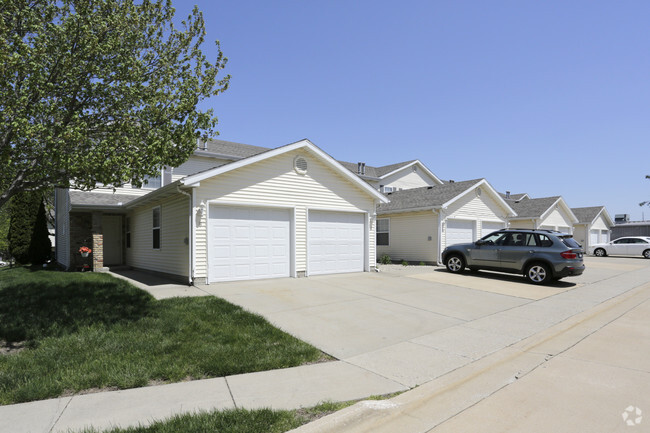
[{"x": 590, "y": 372}]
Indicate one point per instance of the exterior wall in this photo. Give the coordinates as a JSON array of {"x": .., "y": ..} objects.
[
  {"x": 557, "y": 219},
  {"x": 581, "y": 234},
  {"x": 407, "y": 179},
  {"x": 196, "y": 164},
  {"x": 474, "y": 208},
  {"x": 413, "y": 237},
  {"x": 600, "y": 224},
  {"x": 173, "y": 255},
  {"x": 522, "y": 223},
  {"x": 274, "y": 182},
  {"x": 62, "y": 233}
]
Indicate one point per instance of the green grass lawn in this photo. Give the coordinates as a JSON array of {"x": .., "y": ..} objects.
[
  {"x": 238, "y": 420},
  {"x": 85, "y": 331}
]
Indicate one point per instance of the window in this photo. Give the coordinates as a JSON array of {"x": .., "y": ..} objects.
[
  {"x": 152, "y": 182},
  {"x": 128, "y": 232},
  {"x": 156, "y": 228},
  {"x": 545, "y": 241},
  {"x": 383, "y": 231}
]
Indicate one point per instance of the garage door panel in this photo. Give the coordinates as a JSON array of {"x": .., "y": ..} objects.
[
  {"x": 460, "y": 231},
  {"x": 488, "y": 227},
  {"x": 248, "y": 243},
  {"x": 335, "y": 242}
]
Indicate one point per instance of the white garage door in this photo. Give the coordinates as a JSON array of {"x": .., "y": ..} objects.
[
  {"x": 593, "y": 237},
  {"x": 604, "y": 236},
  {"x": 564, "y": 229},
  {"x": 460, "y": 232},
  {"x": 248, "y": 243},
  {"x": 335, "y": 242},
  {"x": 489, "y": 227}
]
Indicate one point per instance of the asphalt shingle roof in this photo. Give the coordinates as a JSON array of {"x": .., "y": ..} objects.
[
  {"x": 425, "y": 197},
  {"x": 375, "y": 171},
  {"x": 586, "y": 214},
  {"x": 532, "y": 207},
  {"x": 513, "y": 197},
  {"x": 230, "y": 148},
  {"x": 89, "y": 198}
]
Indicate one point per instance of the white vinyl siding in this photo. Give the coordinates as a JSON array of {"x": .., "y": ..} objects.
[
  {"x": 557, "y": 220},
  {"x": 413, "y": 237},
  {"x": 274, "y": 182},
  {"x": 173, "y": 255},
  {"x": 408, "y": 179},
  {"x": 196, "y": 164},
  {"x": 335, "y": 242}
]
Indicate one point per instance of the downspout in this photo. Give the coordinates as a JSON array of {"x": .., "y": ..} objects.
[
  {"x": 439, "y": 246},
  {"x": 191, "y": 234}
]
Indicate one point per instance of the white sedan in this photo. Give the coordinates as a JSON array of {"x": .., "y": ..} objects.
[{"x": 628, "y": 246}]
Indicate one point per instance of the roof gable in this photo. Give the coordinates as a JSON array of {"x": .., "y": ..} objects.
[
  {"x": 533, "y": 208},
  {"x": 195, "y": 179},
  {"x": 588, "y": 215},
  {"x": 436, "y": 197}
]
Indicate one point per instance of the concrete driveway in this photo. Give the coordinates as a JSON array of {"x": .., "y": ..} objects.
[{"x": 414, "y": 324}]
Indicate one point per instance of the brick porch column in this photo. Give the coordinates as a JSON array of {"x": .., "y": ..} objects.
[{"x": 98, "y": 242}]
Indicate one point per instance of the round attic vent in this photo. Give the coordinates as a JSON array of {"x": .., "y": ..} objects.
[{"x": 300, "y": 165}]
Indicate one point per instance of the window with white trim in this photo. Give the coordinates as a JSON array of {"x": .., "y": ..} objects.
[
  {"x": 383, "y": 231},
  {"x": 156, "y": 228}
]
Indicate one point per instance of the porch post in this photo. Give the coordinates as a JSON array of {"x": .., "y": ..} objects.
[{"x": 98, "y": 242}]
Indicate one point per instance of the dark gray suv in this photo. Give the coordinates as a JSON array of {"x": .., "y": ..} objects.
[{"x": 540, "y": 255}]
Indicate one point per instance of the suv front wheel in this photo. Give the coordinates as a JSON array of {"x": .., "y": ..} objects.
[
  {"x": 538, "y": 273},
  {"x": 455, "y": 263}
]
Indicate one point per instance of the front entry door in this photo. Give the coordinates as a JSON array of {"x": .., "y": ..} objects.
[{"x": 112, "y": 229}]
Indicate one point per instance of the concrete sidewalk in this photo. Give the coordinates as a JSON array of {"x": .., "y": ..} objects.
[{"x": 280, "y": 389}]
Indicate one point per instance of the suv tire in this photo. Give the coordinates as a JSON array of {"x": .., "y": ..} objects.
[
  {"x": 538, "y": 273},
  {"x": 455, "y": 263}
]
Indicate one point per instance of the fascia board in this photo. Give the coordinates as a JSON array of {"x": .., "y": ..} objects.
[
  {"x": 193, "y": 179},
  {"x": 415, "y": 209}
]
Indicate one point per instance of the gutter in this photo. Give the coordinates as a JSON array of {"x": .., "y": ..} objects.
[{"x": 191, "y": 233}]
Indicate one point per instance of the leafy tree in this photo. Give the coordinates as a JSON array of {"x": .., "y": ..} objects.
[
  {"x": 100, "y": 91},
  {"x": 23, "y": 210},
  {"x": 4, "y": 232},
  {"x": 40, "y": 246}
]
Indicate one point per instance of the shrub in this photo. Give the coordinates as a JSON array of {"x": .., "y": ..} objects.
[
  {"x": 405, "y": 263},
  {"x": 385, "y": 259},
  {"x": 422, "y": 264}
]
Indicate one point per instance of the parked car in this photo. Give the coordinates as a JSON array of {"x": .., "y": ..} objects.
[
  {"x": 540, "y": 255},
  {"x": 627, "y": 246}
]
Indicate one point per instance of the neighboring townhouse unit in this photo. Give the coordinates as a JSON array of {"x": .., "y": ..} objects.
[
  {"x": 394, "y": 177},
  {"x": 593, "y": 226},
  {"x": 231, "y": 212},
  {"x": 542, "y": 213},
  {"x": 418, "y": 223}
]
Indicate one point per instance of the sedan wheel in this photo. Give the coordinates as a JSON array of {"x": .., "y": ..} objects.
[
  {"x": 455, "y": 264},
  {"x": 600, "y": 252},
  {"x": 646, "y": 254},
  {"x": 538, "y": 273}
]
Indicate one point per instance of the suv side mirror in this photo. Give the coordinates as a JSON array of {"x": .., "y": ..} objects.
[{"x": 480, "y": 242}]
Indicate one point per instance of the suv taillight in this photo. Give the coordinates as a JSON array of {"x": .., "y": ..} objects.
[{"x": 569, "y": 255}]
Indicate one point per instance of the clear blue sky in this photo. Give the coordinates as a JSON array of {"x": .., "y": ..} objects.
[{"x": 544, "y": 97}]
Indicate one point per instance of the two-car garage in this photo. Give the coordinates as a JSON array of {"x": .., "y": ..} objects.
[{"x": 246, "y": 242}]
